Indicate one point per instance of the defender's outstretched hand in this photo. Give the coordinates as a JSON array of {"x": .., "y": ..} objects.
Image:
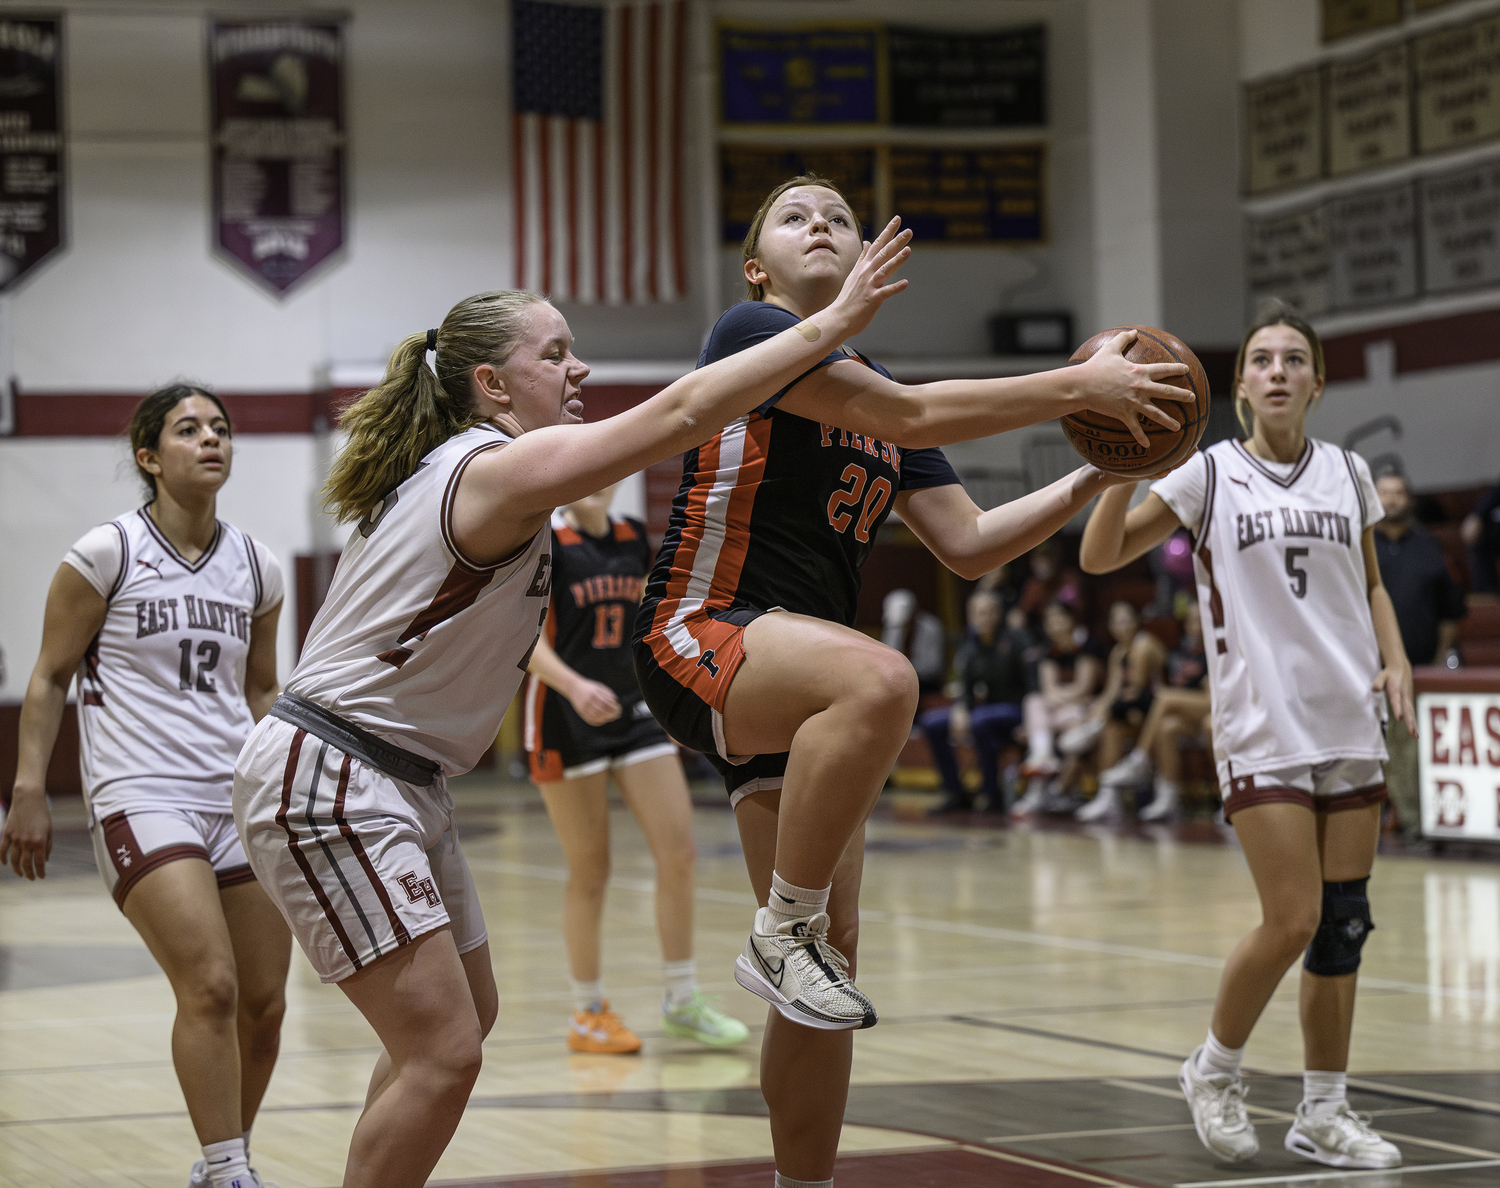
[
  {"x": 866, "y": 288},
  {"x": 1111, "y": 384}
]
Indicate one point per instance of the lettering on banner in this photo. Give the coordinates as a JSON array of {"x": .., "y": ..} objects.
[{"x": 1459, "y": 764}]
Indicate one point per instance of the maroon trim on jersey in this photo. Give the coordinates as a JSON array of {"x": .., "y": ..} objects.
[
  {"x": 445, "y": 516},
  {"x": 457, "y": 593},
  {"x": 90, "y": 673},
  {"x": 190, "y": 566},
  {"x": 1364, "y": 512},
  {"x": 1297, "y": 471},
  {"x": 131, "y": 862},
  {"x": 254, "y": 573},
  {"x": 1244, "y": 794},
  {"x": 1215, "y": 603},
  {"x": 348, "y": 834},
  {"x": 1211, "y": 487},
  {"x": 234, "y": 876},
  {"x": 294, "y": 844},
  {"x": 124, "y": 563}
]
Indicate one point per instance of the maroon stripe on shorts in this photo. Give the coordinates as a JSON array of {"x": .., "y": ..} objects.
[
  {"x": 131, "y": 863},
  {"x": 1244, "y": 794},
  {"x": 1356, "y": 798},
  {"x": 293, "y": 843},
  {"x": 234, "y": 876},
  {"x": 347, "y": 833}
]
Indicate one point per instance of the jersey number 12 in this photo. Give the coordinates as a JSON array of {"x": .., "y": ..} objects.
[{"x": 208, "y": 659}]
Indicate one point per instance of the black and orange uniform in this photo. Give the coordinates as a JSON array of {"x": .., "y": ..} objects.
[
  {"x": 596, "y": 591},
  {"x": 776, "y": 512}
]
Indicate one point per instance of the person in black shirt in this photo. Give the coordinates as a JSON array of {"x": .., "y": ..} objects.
[
  {"x": 991, "y": 674},
  {"x": 1070, "y": 674},
  {"x": 1429, "y": 605},
  {"x": 1481, "y": 533},
  {"x": 585, "y": 724}
]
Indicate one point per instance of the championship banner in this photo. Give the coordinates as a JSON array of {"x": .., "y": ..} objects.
[
  {"x": 945, "y": 79},
  {"x": 1286, "y": 257},
  {"x": 1345, "y": 18},
  {"x": 31, "y": 156},
  {"x": 1284, "y": 132},
  {"x": 1459, "y": 765},
  {"x": 828, "y": 74},
  {"x": 960, "y": 195},
  {"x": 1369, "y": 110},
  {"x": 747, "y": 173},
  {"x": 1372, "y": 247},
  {"x": 1461, "y": 229},
  {"x": 276, "y": 89},
  {"x": 1458, "y": 91}
]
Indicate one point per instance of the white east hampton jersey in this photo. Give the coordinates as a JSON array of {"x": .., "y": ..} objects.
[
  {"x": 416, "y": 643},
  {"x": 161, "y": 692},
  {"x": 1286, "y": 610}
]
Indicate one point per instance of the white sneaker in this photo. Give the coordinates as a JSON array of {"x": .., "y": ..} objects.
[
  {"x": 198, "y": 1177},
  {"x": 1106, "y": 803},
  {"x": 1217, "y": 1103},
  {"x": 1162, "y": 806},
  {"x": 1080, "y": 739},
  {"x": 794, "y": 968},
  {"x": 1036, "y": 792},
  {"x": 1134, "y": 769},
  {"x": 1341, "y": 1139}
]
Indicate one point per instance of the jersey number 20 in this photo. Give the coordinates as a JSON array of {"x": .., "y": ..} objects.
[{"x": 880, "y": 491}]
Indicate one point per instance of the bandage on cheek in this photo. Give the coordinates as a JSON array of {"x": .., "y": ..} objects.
[{"x": 808, "y": 331}]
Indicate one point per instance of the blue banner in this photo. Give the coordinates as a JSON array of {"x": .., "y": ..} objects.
[{"x": 828, "y": 75}]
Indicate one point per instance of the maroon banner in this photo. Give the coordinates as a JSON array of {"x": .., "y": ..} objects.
[
  {"x": 278, "y": 129},
  {"x": 31, "y": 157}
]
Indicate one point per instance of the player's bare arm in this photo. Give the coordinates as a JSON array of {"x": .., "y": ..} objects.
[
  {"x": 505, "y": 496},
  {"x": 261, "y": 686},
  {"x": 595, "y": 701},
  {"x": 855, "y": 397},
  {"x": 1395, "y": 676},
  {"x": 1117, "y": 533},
  {"x": 972, "y": 542},
  {"x": 74, "y": 615}
]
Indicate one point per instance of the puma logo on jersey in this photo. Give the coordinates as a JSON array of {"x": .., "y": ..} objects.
[
  {"x": 152, "y": 566},
  {"x": 418, "y": 889},
  {"x": 707, "y": 661},
  {"x": 1242, "y": 482}
]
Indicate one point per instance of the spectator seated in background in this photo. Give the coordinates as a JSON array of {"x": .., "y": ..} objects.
[
  {"x": 1069, "y": 675},
  {"x": 1481, "y": 536},
  {"x": 916, "y": 634},
  {"x": 1135, "y": 667},
  {"x": 990, "y": 678},
  {"x": 1050, "y": 581},
  {"x": 1179, "y": 711},
  {"x": 1428, "y": 605}
]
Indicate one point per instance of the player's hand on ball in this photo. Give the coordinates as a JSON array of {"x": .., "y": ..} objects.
[
  {"x": 596, "y": 704},
  {"x": 1112, "y": 385}
]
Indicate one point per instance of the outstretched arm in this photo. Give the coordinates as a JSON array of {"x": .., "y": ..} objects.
[
  {"x": 855, "y": 397},
  {"x": 1117, "y": 533},
  {"x": 971, "y": 542}
]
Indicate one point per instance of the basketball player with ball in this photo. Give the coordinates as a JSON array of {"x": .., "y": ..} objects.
[{"x": 1304, "y": 653}]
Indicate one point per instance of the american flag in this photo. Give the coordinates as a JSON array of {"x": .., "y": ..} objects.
[{"x": 598, "y": 150}]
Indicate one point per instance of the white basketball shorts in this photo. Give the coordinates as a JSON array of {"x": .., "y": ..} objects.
[
  {"x": 129, "y": 845},
  {"x": 359, "y": 863}
]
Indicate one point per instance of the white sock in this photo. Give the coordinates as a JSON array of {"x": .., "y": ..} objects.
[
  {"x": 1216, "y": 1058},
  {"x": 1039, "y": 742},
  {"x": 788, "y": 902},
  {"x": 681, "y": 979},
  {"x": 1137, "y": 755},
  {"x": 787, "y": 1182},
  {"x": 1167, "y": 790},
  {"x": 245, "y": 1138},
  {"x": 226, "y": 1163},
  {"x": 1322, "y": 1093},
  {"x": 588, "y": 996}
]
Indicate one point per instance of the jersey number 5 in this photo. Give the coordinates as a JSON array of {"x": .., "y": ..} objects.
[
  {"x": 880, "y": 491},
  {"x": 1296, "y": 572}
]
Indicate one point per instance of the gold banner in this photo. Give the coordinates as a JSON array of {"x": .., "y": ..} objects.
[
  {"x": 1286, "y": 257},
  {"x": 1369, "y": 111},
  {"x": 1284, "y": 132},
  {"x": 1344, "y": 18},
  {"x": 1458, "y": 86}
]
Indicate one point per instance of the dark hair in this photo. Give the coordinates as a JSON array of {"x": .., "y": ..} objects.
[
  {"x": 1395, "y": 472},
  {"x": 414, "y": 409},
  {"x": 1274, "y": 312},
  {"x": 752, "y": 236},
  {"x": 1066, "y": 608},
  {"x": 150, "y": 418}
]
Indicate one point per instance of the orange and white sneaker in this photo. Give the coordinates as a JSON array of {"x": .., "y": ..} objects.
[{"x": 601, "y": 1031}]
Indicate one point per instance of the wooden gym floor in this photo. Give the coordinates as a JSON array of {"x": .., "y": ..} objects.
[{"x": 1037, "y": 988}]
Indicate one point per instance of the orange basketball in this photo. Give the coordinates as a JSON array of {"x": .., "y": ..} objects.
[{"x": 1108, "y": 444}]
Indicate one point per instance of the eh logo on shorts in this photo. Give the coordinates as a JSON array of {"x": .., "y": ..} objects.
[{"x": 418, "y": 889}]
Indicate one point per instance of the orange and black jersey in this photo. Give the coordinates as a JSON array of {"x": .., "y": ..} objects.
[
  {"x": 596, "y": 590},
  {"x": 778, "y": 510}
]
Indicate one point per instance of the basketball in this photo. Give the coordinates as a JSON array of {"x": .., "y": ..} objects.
[{"x": 1108, "y": 444}]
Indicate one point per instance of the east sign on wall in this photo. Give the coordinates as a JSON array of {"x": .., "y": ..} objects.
[{"x": 1460, "y": 765}]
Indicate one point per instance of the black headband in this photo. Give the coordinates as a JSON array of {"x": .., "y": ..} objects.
[{"x": 432, "y": 340}]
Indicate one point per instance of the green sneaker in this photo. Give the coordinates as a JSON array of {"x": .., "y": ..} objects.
[{"x": 697, "y": 1019}]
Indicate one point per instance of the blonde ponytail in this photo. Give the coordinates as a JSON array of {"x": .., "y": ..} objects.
[{"x": 412, "y": 411}]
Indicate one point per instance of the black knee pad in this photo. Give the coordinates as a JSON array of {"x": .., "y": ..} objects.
[{"x": 1341, "y": 933}]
